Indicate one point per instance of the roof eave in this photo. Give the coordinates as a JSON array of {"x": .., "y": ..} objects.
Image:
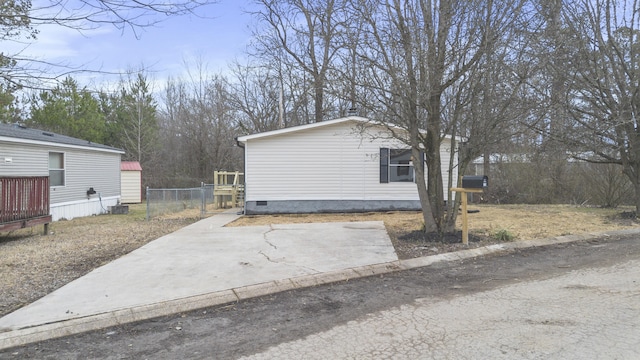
[
  {"x": 245, "y": 138},
  {"x": 55, "y": 144}
]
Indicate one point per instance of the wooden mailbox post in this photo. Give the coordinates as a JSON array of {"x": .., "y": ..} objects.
[{"x": 470, "y": 184}]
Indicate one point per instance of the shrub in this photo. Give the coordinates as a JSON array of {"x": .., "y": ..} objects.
[{"x": 503, "y": 235}]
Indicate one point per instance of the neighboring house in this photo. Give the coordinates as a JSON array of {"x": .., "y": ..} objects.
[
  {"x": 477, "y": 165},
  {"x": 130, "y": 182},
  {"x": 84, "y": 177},
  {"x": 342, "y": 165}
]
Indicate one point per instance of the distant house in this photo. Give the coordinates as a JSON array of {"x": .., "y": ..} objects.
[
  {"x": 342, "y": 165},
  {"x": 477, "y": 165},
  {"x": 84, "y": 177},
  {"x": 130, "y": 182}
]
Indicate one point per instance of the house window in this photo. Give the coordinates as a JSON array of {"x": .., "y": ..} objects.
[
  {"x": 56, "y": 169},
  {"x": 396, "y": 165}
]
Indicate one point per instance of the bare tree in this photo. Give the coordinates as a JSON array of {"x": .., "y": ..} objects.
[
  {"x": 14, "y": 23},
  {"x": 256, "y": 95},
  {"x": 199, "y": 125},
  {"x": 349, "y": 73},
  {"x": 604, "y": 97},
  {"x": 487, "y": 107},
  {"x": 88, "y": 14},
  {"x": 303, "y": 33},
  {"x": 21, "y": 21},
  {"x": 415, "y": 51}
]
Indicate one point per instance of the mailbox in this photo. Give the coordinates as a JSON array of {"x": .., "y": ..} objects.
[{"x": 475, "y": 182}]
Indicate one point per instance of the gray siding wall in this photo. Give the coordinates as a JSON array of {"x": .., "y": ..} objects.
[
  {"x": 84, "y": 168},
  {"x": 23, "y": 160}
]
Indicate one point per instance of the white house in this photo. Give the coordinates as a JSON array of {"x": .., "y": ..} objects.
[
  {"x": 130, "y": 182},
  {"x": 84, "y": 177},
  {"x": 342, "y": 165}
]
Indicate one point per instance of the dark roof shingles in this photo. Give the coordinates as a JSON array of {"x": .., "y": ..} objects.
[{"x": 22, "y": 132}]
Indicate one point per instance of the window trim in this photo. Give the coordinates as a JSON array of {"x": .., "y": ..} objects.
[
  {"x": 386, "y": 165},
  {"x": 63, "y": 169}
]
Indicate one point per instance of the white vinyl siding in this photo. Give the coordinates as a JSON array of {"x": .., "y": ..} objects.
[
  {"x": 333, "y": 162},
  {"x": 131, "y": 187},
  {"x": 445, "y": 158}
]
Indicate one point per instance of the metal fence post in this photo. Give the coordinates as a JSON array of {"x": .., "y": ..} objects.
[
  {"x": 147, "y": 196},
  {"x": 203, "y": 203}
]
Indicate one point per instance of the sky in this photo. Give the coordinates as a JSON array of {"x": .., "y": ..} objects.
[{"x": 166, "y": 49}]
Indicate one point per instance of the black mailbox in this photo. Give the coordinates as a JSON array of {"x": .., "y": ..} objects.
[{"x": 475, "y": 181}]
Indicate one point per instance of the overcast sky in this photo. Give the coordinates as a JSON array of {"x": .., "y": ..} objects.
[{"x": 217, "y": 38}]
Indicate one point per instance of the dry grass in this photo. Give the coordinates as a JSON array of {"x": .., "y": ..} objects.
[
  {"x": 525, "y": 222},
  {"x": 540, "y": 221},
  {"x": 33, "y": 265}
]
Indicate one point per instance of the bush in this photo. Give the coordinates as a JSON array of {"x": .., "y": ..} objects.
[
  {"x": 547, "y": 181},
  {"x": 503, "y": 235}
]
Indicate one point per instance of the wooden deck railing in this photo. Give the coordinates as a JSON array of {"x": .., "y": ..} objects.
[{"x": 24, "y": 201}]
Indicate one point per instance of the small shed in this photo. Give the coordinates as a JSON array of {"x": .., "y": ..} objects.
[
  {"x": 349, "y": 164},
  {"x": 130, "y": 182}
]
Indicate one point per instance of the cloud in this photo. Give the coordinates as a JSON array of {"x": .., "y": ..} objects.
[
  {"x": 166, "y": 50},
  {"x": 53, "y": 43}
]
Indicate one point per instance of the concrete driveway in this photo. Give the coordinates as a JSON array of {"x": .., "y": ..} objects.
[{"x": 200, "y": 264}]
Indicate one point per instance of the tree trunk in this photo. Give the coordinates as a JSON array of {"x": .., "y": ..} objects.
[
  {"x": 434, "y": 166},
  {"x": 636, "y": 188},
  {"x": 319, "y": 99},
  {"x": 634, "y": 176},
  {"x": 452, "y": 204},
  {"x": 423, "y": 194}
]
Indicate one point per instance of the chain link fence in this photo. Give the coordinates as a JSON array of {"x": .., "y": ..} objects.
[
  {"x": 208, "y": 200},
  {"x": 168, "y": 201}
]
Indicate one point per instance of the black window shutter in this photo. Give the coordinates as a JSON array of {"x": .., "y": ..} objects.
[{"x": 384, "y": 165}]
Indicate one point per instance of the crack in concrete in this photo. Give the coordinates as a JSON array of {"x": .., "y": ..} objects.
[
  {"x": 278, "y": 261},
  {"x": 267, "y": 257},
  {"x": 264, "y": 236},
  {"x": 281, "y": 260}
]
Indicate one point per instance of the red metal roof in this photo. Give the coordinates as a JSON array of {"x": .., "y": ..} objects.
[{"x": 130, "y": 166}]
